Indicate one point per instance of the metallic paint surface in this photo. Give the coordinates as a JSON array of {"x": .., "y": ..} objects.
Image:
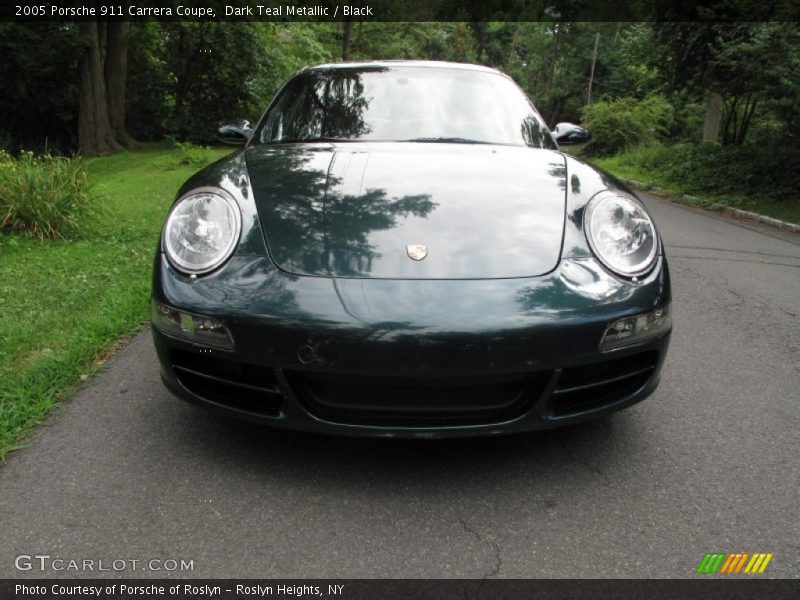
[
  {"x": 350, "y": 210},
  {"x": 413, "y": 326}
]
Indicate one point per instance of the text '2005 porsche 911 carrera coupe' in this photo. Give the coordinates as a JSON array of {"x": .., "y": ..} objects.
[{"x": 401, "y": 249}]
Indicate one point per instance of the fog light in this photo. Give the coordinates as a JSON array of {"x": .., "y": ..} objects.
[
  {"x": 632, "y": 330},
  {"x": 191, "y": 327}
]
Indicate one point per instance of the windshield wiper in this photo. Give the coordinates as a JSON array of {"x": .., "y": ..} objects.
[
  {"x": 309, "y": 140},
  {"x": 447, "y": 140}
]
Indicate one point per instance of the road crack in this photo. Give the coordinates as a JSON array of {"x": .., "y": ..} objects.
[
  {"x": 498, "y": 558},
  {"x": 583, "y": 463}
]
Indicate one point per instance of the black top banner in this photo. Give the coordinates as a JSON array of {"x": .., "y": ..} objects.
[{"x": 401, "y": 10}]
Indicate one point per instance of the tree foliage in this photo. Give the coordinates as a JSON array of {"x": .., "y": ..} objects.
[
  {"x": 38, "y": 106},
  {"x": 622, "y": 122},
  {"x": 184, "y": 78},
  {"x": 212, "y": 71}
]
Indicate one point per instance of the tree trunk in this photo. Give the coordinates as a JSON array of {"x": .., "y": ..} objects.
[
  {"x": 512, "y": 48},
  {"x": 95, "y": 134},
  {"x": 556, "y": 110},
  {"x": 746, "y": 120},
  {"x": 116, "y": 71},
  {"x": 732, "y": 120},
  {"x": 480, "y": 39},
  {"x": 713, "y": 118},
  {"x": 591, "y": 73},
  {"x": 348, "y": 34},
  {"x": 552, "y": 57}
]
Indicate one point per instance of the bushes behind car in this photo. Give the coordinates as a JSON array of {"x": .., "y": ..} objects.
[
  {"x": 625, "y": 122},
  {"x": 722, "y": 170},
  {"x": 44, "y": 196}
]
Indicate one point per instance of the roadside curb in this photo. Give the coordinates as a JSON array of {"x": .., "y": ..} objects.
[
  {"x": 723, "y": 208},
  {"x": 746, "y": 214}
]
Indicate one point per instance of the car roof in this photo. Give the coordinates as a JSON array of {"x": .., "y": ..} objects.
[{"x": 440, "y": 64}]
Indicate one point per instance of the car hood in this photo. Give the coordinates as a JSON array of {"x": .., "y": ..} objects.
[{"x": 363, "y": 210}]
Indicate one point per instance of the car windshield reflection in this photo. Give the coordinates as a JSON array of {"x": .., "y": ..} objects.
[{"x": 403, "y": 104}]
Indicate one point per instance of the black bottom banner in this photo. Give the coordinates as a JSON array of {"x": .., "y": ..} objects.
[{"x": 251, "y": 589}]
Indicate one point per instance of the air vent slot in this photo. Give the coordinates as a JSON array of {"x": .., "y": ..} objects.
[
  {"x": 242, "y": 386},
  {"x": 595, "y": 385}
]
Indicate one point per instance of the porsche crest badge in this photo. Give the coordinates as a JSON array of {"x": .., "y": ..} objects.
[{"x": 417, "y": 251}]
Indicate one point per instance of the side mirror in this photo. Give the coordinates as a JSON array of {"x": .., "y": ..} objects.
[
  {"x": 568, "y": 133},
  {"x": 236, "y": 133}
]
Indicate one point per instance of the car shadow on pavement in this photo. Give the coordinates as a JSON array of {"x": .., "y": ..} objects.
[{"x": 289, "y": 457}]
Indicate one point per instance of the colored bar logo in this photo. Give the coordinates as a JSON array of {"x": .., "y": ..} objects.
[{"x": 734, "y": 563}]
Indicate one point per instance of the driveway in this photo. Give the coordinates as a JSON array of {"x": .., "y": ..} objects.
[{"x": 708, "y": 463}]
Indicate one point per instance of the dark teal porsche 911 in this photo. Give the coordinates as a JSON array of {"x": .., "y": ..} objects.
[{"x": 401, "y": 249}]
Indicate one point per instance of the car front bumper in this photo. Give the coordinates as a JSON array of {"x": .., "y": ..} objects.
[{"x": 412, "y": 358}]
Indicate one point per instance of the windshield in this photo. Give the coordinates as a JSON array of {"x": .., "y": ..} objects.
[{"x": 403, "y": 104}]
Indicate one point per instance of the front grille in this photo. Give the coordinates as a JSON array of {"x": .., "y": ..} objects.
[
  {"x": 591, "y": 386},
  {"x": 416, "y": 401},
  {"x": 238, "y": 385}
]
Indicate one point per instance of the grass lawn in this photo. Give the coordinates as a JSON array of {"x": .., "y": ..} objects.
[
  {"x": 65, "y": 304},
  {"x": 629, "y": 165}
]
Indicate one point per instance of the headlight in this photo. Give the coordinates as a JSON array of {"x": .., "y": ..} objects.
[
  {"x": 202, "y": 230},
  {"x": 621, "y": 233}
]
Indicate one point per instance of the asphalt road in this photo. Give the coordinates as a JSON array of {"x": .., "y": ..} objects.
[{"x": 708, "y": 463}]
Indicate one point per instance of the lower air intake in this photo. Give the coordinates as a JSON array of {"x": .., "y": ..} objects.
[
  {"x": 598, "y": 384},
  {"x": 416, "y": 401},
  {"x": 251, "y": 388}
]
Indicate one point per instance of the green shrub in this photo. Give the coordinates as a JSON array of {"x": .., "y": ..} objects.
[
  {"x": 193, "y": 156},
  {"x": 624, "y": 122},
  {"x": 44, "y": 196},
  {"x": 712, "y": 168},
  {"x": 718, "y": 170}
]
